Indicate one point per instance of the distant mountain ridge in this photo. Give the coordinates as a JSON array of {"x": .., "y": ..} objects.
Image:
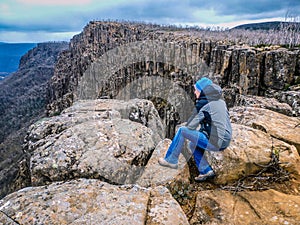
[
  {"x": 10, "y": 55},
  {"x": 276, "y": 25}
]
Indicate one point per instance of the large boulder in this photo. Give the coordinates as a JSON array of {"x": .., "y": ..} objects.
[
  {"x": 115, "y": 151},
  {"x": 259, "y": 136},
  {"x": 93, "y": 140},
  {"x": 250, "y": 150},
  {"x": 275, "y": 124},
  {"x": 89, "y": 201}
]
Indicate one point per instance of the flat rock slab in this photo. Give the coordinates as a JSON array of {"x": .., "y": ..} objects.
[
  {"x": 89, "y": 201},
  {"x": 280, "y": 126},
  {"x": 265, "y": 207},
  {"x": 155, "y": 174}
]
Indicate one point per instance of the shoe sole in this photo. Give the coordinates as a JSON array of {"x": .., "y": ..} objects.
[
  {"x": 172, "y": 167},
  {"x": 205, "y": 178},
  {"x": 169, "y": 166}
]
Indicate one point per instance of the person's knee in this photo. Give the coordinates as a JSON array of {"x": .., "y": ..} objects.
[
  {"x": 180, "y": 129},
  {"x": 183, "y": 130}
]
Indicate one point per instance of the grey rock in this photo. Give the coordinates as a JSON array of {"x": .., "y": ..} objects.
[
  {"x": 92, "y": 140},
  {"x": 155, "y": 175},
  {"x": 89, "y": 201},
  {"x": 252, "y": 207},
  {"x": 263, "y": 102}
]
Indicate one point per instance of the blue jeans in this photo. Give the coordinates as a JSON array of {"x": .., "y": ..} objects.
[{"x": 199, "y": 143}]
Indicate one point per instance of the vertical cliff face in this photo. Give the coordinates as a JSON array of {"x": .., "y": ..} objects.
[
  {"x": 85, "y": 48},
  {"x": 256, "y": 71},
  {"x": 108, "y": 56}
]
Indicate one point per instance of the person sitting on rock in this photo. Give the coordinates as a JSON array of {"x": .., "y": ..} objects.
[{"x": 214, "y": 134}]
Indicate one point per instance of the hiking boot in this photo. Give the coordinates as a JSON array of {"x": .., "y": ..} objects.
[
  {"x": 203, "y": 177},
  {"x": 163, "y": 162}
]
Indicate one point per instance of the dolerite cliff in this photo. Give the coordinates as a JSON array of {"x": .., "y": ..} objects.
[
  {"x": 116, "y": 95},
  {"x": 22, "y": 102},
  {"x": 107, "y": 56}
]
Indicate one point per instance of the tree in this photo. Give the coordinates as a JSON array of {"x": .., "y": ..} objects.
[{"x": 291, "y": 29}]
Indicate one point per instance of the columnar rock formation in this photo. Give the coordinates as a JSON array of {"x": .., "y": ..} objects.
[{"x": 106, "y": 56}]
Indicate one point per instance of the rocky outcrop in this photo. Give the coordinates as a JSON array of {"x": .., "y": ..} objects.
[
  {"x": 110, "y": 140},
  {"x": 97, "y": 161},
  {"x": 89, "y": 201},
  {"x": 255, "y": 71},
  {"x": 107, "y": 56},
  {"x": 94, "y": 139},
  {"x": 249, "y": 152},
  {"x": 274, "y": 124},
  {"x": 257, "y": 207}
]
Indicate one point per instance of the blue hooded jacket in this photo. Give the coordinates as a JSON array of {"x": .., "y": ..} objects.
[{"x": 213, "y": 117}]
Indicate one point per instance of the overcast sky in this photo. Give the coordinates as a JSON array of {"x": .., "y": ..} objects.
[{"x": 55, "y": 20}]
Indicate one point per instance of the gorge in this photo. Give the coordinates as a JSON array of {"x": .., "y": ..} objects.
[{"x": 117, "y": 94}]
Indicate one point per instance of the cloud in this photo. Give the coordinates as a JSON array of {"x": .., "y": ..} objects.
[
  {"x": 201, "y": 11},
  {"x": 5, "y": 10},
  {"x": 54, "y": 16},
  {"x": 161, "y": 12},
  {"x": 35, "y": 37},
  {"x": 249, "y": 8},
  {"x": 55, "y": 2}
]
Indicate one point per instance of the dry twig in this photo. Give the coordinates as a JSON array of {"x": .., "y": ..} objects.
[{"x": 269, "y": 174}]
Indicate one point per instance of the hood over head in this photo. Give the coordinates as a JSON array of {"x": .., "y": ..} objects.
[{"x": 212, "y": 92}]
